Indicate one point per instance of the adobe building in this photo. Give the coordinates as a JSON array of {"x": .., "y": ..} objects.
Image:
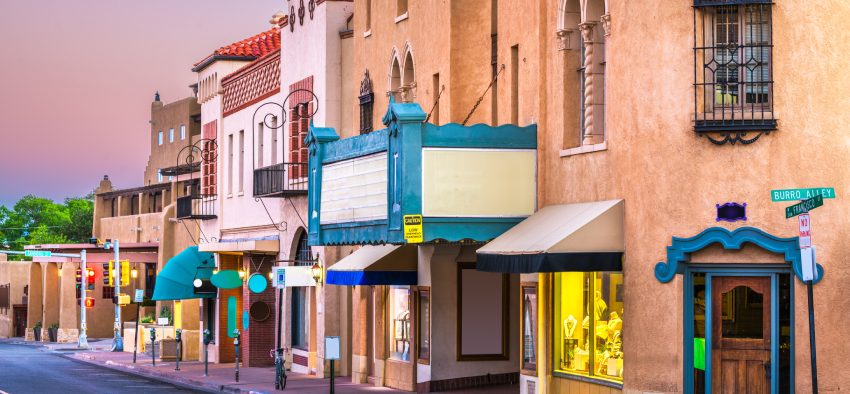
[{"x": 14, "y": 297}]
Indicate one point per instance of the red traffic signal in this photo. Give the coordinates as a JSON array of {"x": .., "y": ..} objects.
[
  {"x": 89, "y": 302},
  {"x": 89, "y": 276}
]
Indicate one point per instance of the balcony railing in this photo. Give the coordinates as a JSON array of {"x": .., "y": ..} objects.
[
  {"x": 196, "y": 207},
  {"x": 281, "y": 180}
]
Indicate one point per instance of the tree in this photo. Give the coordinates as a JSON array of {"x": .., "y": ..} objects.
[{"x": 80, "y": 213}]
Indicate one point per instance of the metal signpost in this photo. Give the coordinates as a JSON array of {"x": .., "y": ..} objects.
[
  {"x": 331, "y": 354},
  {"x": 138, "y": 299},
  {"x": 811, "y": 199}
]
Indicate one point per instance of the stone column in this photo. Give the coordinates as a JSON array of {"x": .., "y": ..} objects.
[{"x": 591, "y": 134}]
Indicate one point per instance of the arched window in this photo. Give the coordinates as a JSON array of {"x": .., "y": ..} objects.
[
  {"x": 582, "y": 28},
  {"x": 366, "y": 103},
  {"x": 408, "y": 87},
  {"x": 395, "y": 79},
  {"x": 298, "y": 302}
]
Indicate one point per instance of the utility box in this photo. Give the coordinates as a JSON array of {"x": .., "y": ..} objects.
[{"x": 168, "y": 349}]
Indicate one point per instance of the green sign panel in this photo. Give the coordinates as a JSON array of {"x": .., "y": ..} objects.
[
  {"x": 801, "y": 194},
  {"x": 804, "y": 206},
  {"x": 38, "y": 253}
]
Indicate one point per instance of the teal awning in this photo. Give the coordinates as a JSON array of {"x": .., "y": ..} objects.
[{"x": 174, "y": 282}]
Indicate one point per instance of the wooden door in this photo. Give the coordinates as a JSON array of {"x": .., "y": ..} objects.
[
  {"x": 740, "y": 335},
  {"x": 20, "y": 321}
]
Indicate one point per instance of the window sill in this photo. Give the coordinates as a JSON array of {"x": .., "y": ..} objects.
[
  {"x": 367, "y": 33},
  {"x": 584, "y": 149},
  {"x": 240, "y": 194},
  {"x": 401, "y": 17},
  {"x": 588, "y": 379},
  {"x": 229, "y": 195}
]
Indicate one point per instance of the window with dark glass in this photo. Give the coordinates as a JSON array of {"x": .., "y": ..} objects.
[
  {"x": 529, "y": 327},
  {"x": 733, "y": 60},
  {"x": 424, "y": 333},
  {"x": 366, "y": 104}
]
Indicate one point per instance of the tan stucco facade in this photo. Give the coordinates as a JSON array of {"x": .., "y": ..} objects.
[{"x": 14, "y": 275}]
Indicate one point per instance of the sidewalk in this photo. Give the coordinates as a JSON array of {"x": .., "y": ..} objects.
[{"x": 221, "y": 376}]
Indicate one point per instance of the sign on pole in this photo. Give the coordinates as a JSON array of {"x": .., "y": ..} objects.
[
  {"x": 805, "y": 231},
  {"x": 38, "y": 253},
  {"x": 801, "y": 194},
  {"x": 807, "y": 264},
  {"x": 804, "y": 206},
  {"x": 331, "y": 348},
  {"x": 280, "y": 277},
  {"x": 139, "y": 296}
]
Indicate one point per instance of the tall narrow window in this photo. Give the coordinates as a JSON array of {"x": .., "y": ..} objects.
[
  {"x": 230, "y": 164},
  {"x": 366, "y": 104},
  {"x": 515, "y": 84},
  {"x": 299, "y": 125},
  {"x": 298, "y": 318},
  {"x": 209, "y": 168},
  {"x": 402, "y": 7},
  {"x": 399, "y": 336},
  {"x": 241, "y": 161},
  {"x": 368, "y": 15},
  {"x": 182, "y": 132},
  {"x": 171, "y": 135},
  {"x": 733, "y": 60},
  {"x": 423, "y": 317},
  {"x": 408, "y": 88},
  {"x": 159, "y": 138},
  {"x": 260, "y": 138},
  {"x": 395, "y": 80},
  {"x": 529, "y": 327},
  {"x": 435, "y": 89}
]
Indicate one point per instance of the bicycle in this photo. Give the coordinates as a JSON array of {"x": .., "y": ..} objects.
[{"x": 280, "y": 370}]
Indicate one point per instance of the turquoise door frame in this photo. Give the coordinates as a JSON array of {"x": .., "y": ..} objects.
[{"x": 715, "y": 270}]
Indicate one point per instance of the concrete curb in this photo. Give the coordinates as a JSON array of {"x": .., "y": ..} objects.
[{"x": 187, "y": 383}]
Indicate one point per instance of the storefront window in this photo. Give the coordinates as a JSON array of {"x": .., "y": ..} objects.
[
  {"x": 589, "y": 324},
  {"x": 529, "y": 327},
  {"x": 399, "y": 334}
]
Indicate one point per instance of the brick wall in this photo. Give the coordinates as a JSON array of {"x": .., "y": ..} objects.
[{"x": 260, "y": 337}]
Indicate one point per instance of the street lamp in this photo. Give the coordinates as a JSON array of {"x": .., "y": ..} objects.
[
  {"x": 316, "y": 270},
  {"x": 134, "y": 273}
]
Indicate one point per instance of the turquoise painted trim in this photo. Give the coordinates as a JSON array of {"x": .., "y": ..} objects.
[
  {"x": 358, "y": 146},
  {"x": 480, "y": 135},
  {"x": 742, "y": 270},
  {"x": 678, "y": 252},
  {"x": 458, "y": 229},
  {"x": 774, "y": 333},
  {"x": 708, "y": 329},
  {"x": 687, "y": 338}
]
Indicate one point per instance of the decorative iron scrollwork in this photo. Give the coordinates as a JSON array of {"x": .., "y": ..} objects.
[
  {"x": 733, "y": 137},
  {"x": 301, "y": 13},
  {"x": 291, "y": 18},
  {"x": 311, "y": 6}
]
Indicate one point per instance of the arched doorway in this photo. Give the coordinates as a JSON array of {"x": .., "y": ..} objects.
[{"x": 738, "y": 315}]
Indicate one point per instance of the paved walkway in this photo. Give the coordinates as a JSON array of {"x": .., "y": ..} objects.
[{"x": 221, "y": 376}]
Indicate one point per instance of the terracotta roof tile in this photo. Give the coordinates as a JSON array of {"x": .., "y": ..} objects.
[{"x": 256, "y": 46}]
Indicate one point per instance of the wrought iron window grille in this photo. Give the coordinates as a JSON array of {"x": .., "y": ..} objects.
[
  {"x": 367, "y": 100},
  {"x": 733, "y": 76}
]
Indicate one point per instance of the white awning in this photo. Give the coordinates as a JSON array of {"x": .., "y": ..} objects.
[{"x": 571, "y": 237}]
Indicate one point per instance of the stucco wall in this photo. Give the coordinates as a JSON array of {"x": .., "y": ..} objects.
[
  {"x": 165, "y": 117},
  {"x": 671, "y": 179},
  {"x": 441, "y": 275},
  {"x": 16, "y": 274}
]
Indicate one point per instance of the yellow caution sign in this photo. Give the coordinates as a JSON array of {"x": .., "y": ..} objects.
[{"x": 413, "y": 229}]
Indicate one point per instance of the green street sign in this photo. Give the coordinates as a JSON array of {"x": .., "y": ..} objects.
[
  {"x": 801, "y": 194},
  {"x": 38, "y": 253},
  {"x": 804, "y": 206}
]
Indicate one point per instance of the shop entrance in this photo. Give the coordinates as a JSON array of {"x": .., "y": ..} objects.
[
  {"x": 741, "y": 346},
  {"x": 20, "y": 318},
  {"x": 742, "y": 330}
]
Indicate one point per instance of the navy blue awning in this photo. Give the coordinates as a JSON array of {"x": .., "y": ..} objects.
[{"x": 376, "y": 265}]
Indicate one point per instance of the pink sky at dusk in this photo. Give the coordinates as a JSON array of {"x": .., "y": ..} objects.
[{"x": 78, "y": 78}]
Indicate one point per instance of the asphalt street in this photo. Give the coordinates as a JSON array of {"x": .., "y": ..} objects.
[{"x": 31, "y": 369}]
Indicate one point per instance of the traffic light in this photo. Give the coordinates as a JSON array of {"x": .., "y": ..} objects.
[
  {"x": 106, "y": 274},
  {"x": 90, "y": 279},
  {"x": 89, "y": 302},
  {"x": 125, "y": 273}
]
